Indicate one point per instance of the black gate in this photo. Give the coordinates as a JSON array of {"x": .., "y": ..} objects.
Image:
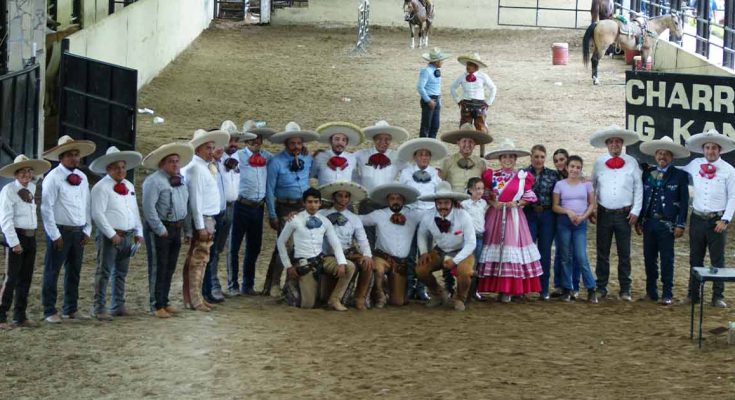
[
  {"x": 19, "y": 95},
  {"x": 97, "y": 102}
]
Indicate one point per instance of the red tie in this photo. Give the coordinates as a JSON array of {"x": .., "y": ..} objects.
[
  {"x": 615, "y": 163},
  {"x": 398, "y": 219},
  {"x": 470, "y": 77},
  {"x": 256, "y": 160},
  {"x": 337, "y": 162},
  {"x": 378, "y": 161},
  {"x": 707, "y": 170},
  {"x": 120, "y": 188}
]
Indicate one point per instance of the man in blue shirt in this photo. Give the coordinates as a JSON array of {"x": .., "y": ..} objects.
[
  {"x": 429, "y": 88},
  {"x": 287, "y": 180}
]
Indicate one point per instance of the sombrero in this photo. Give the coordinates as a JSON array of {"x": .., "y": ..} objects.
[
  {"x": 397, "y": 133},
  {"x": 506, "y": 147},
  {"x": 252, "y": 127},
  {"x": 293, "y": 130},
  {"x": 220, "y": 138},
  {"x": 435, "y": 55},
  {"x": 407, "y": 149},
  {"x": 230, "y": 127},
  {"x": 444, "y": 191},
  {"x": 66, "y": 143},
  {"x": 599, "y": 138},
  {"x": 474, "y": 58},
  {"x": 696, "y": 142},
  {"x": 665, "y": 143},
  {"x": 357, "y": 192},
  {"x": 132, "y": 159},
  {"x": 183, "y": 150},
  {"x": 467, "y": 130},
  {"x": 379, "y": 193},
  {"x": 39, "y": 167},
  {"x": 352, "y": 131}
]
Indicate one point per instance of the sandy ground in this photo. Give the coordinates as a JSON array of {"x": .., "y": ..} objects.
[{"x": 253, "y": 348}]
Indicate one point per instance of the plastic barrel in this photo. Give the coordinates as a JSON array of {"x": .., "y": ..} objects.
[
  {"x": 559, "y": 53},
  {"x": 629, "y": 56}
]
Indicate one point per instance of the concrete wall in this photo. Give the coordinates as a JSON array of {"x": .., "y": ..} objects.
[
  {"x": 668, "y": 57},
  {"x": 146, "y": 35}
]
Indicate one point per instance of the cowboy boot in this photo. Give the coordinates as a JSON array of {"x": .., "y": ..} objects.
[{"x": 363, "y": 285}]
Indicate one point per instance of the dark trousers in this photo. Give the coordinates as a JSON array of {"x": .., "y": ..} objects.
[
  {"x": 430, "y": 118},
  {"x": 113, "y": 262},
  {"x": 247, "y": 222},
  {"x": 541, "y": 225},
  {"x": 658, "y": 240},
  {"x": 17, "y": 282},
  {"x": 702, "y": 237},
  {"x": 221, "y": 233},
  {"x": 275, "y": 267},
  {"x": 609, "y": 225},
  {"x": 163, "y": 254},
  {"x": 70, "y": 256}
]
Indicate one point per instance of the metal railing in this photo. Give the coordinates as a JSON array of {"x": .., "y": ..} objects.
[
  {"x": 538, "y": 9},
  {"x": 363, "y": 25},
  {"x": 19, "y": 107},
  {"x": 3, "y": 37}
]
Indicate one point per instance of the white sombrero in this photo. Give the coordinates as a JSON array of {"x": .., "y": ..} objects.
[
  {"x": 357, "y": 192},
  {"x": 39, "y": 167},
  {"x": 506, "y": 147},
  {"x": 435, "y": 55},
  {"x": 132, "y": 159},
  {"x": 444, "y": 191},
  {"x": 696, "y": 142},
  {"x": 397, "y": 133},
  {"x": 252, "y": 127},
  {"x": 599, "y": 138},
  {"x": 407, "y": 149},
  {"x": 220, "y": 138},
  {"x": 467, "y": 130},
  {"x": 66, "y": 143},
  {"x": 293, "y": 130},
  {"x": 230, "y": 127},
  {"x": 665, "y": 143},
  {"x": 379, "y": 193},
  {"x": 183, "y": 150},
  {"x": 474, "y": 58},
  {"x": 352, "y": 131}
]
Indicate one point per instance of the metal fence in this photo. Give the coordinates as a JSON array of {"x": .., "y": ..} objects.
[
  {"x": 544, "y": 14},
  {"x": 19, "y": 97},
  {"x": 363, "y": 25},
  {"x": 3, "y": 37}
]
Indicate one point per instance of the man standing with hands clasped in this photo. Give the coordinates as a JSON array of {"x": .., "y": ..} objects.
[{"x": 429, "y": 87}]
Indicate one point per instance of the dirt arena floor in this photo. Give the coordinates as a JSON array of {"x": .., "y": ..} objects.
[{"x": 251, "y": 347}]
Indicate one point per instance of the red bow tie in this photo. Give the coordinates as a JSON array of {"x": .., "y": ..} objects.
[
  {"x": 120, "y": 188},
  {"x": 443, "y": 224},
  {"x": 74, "y": 179},
  {"x": 707, "y": 170},
  {"x": 470, "y": 77},
  {"x": 615, "y": 163},
  {"x": 378, "y": 161},
  {"x": 398, "y": 219},
  {"x": 337, "y": 162},
  {"x": 256, "y": 160}
]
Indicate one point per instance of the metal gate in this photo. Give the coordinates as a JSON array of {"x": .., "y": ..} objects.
[
  {"x": 97, "y": 102},
  {"x": 572, "y": 14},
  {"x": 19, "y": 96}
]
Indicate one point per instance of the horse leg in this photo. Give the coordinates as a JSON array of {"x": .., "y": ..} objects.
[
  {"x": 595, "y": 62},
  {"x": 426, "y": 34},
  {"x": 413, "y": 40}
]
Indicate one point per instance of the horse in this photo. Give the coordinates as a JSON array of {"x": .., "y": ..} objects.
[
  {"x": 601, "y": 9},
  {"x": 416, "y": 16},
  {"x": 609, "y": 31}
]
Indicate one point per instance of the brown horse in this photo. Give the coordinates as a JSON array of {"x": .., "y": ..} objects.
[
  {"x": 601, "y": 9},
  {"x": 609, "y": 31},
  {"x": 418, "y": 20}
]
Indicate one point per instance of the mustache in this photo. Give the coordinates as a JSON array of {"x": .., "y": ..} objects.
[{"x": 396, "y": 207}]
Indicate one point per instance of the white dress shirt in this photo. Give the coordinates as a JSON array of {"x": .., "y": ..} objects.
[
  {"x": 476, "y": 210},
  {"x": 308, "y": 243},
  {"x": 351, "y": 231},
  {"x": 231, "y": 178},
  {"x": 112, "y": 211},
  {"x": 204, "y": 199},
  {"x": 460, "y": 238},
  {"x": 371, "y": 177},
  {"x": 325, "y": 175},
  {"x": 618, "y": 188},
  {"x": 716, "y": 194},
  {"x": 474, "y": 90},
  {"x": 16, "y": 213},
  {"x": 425, "y": 188},
  {"x": 391, "y": 238},
  {"x": 64, "y": 204}
]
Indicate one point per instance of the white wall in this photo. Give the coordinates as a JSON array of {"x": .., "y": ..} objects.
[
  {"x": 146, "y": 35},
  {"x": 668, "y": 57}
]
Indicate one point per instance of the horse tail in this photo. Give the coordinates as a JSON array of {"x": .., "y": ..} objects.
[{"x": 586, "y": 43}]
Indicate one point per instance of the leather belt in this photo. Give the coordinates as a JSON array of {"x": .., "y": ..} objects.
[
  {"x": 69, "y": 228},
  {"x": 289, "y": 202},
  {"x": 121, "y": 232},
  {"x": 401, "y": 263},
  {"x": 250, "y": 203},
  {"x": 173, "y": 224},
  {"x": 624, "y": 210},
  {"x": 540, "y": 209},
  {"x": 708, "y": 215},
  {"x": 25, "y": 232}
]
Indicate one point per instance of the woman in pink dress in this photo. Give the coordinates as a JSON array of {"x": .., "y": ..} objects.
[{"x": 510, "y": 261}]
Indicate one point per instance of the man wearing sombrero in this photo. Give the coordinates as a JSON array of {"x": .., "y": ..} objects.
[
  {"x": 395, "y": 229},
  {"x": 616, "y": 178},
  {"x": 349, "y": 230},
  {"x": 288, "y": 179},
  {"x": 204, "y": 205},
  {"x": 429, "y": 87},
  {"x": 248, "y": 211},
  {"x": 664, "y": 213},
  {"x": 119, "y": 228},
  {"x": 165, "y": 207},
  {"x": 453, "y": 233},
  {"x": 458, "y": 168},
  {"x": 65, "y": 210},
  {"x": 18, "y": 225},
  {"x": 336, "y": 164},
  {"x": 473, "y": 104},
  {"x": 713, "y": 206}
]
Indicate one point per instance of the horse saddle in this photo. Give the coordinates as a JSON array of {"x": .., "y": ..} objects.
[{"x": 633, "y": 27}]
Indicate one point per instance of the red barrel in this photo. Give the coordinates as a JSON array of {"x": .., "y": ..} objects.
[
  {"x": 649, "y": 64},
  {"x": 560, "y": 53},
  {"x": 629, "y": 56}
]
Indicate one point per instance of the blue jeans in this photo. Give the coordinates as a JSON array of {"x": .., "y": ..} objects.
[
  {"x": 658, "y": 238},
  {"x": 541, "y": 226},
  {"x": 247, "y": 222},
  {"x": 573, "y": 237},
  {"x": 112, "y": 267},
  {"x": 430, "y": 118},
  {"x": 221, "y": 232},
  {"x": 70, "y": 256}
]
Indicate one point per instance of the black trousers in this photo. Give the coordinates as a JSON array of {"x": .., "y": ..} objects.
[
  {"x": 702, "y": 237},
  {"x": 17, "y": 282},
  {"x": 163, "y": 254},
  {"x": 609, "y": 225}
]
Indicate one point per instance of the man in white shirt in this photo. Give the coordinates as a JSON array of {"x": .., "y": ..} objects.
[
  {"x": 454, "y": 246},
  {"x": 18, "y": 223},
  {"x": 619, "y": 191},
  {"x": 712, "y": 208},
  {"x": 65, "y": 210},
  {"x": 336, "y": 164},
  {"x": 395, "y": 229},
  {"x": 204, "y": 204},
  {"x": 473, "y": 104},
  {"x": 309, "y": 229},
  {"x": 119, "y": 228}
]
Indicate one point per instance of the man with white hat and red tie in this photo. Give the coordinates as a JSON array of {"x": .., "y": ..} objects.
[{"x": 336, "y": 164}]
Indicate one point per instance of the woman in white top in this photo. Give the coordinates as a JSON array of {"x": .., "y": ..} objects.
[{"x": 473, "y": 103}]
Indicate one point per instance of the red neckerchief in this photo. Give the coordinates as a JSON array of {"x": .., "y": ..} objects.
[
  {"x": 470, "y": 77},
  {"x": 337, "y": 162},
  {"x": 378, "y": 161},
  {"x": 707, "y": 170},
  {"x": 615, "y": 163}
]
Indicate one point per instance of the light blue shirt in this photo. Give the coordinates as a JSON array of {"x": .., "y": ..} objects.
[
  {"x": 282, "y": 183},
  {"x": 252, "y": 179},
  {"x": 163, "y": 202},
  {"x": 429, "y": 84}
]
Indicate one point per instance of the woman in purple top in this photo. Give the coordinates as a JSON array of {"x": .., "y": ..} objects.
[{"x": 574, "y": 200}]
